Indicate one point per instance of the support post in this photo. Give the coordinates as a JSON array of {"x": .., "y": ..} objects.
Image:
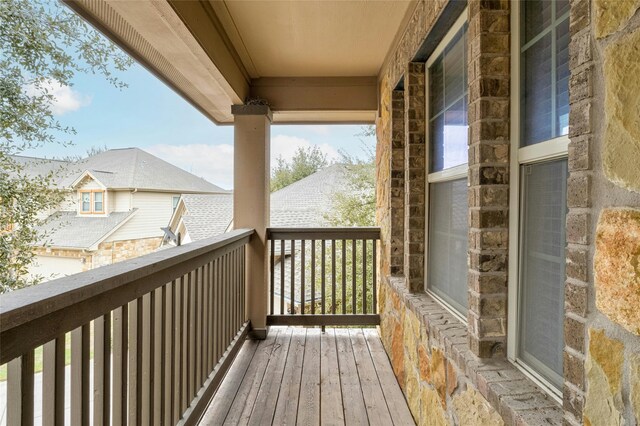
[{"x": 252, "y": 135}]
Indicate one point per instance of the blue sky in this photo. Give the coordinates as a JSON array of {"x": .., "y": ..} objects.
[{"x": 151, "y": 116}]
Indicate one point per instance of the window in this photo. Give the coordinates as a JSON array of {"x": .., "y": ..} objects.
[
  {"x": 85, "y": 198},
  {"x": 447, "y": 223},
  {"x": 92, "y": 202},
  {"x": 97, "y": 202},
  {"x": 174, "y": 202},
  {"x": 540, "y": 120}
]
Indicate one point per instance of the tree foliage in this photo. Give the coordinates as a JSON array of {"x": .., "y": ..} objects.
[
  {"x": 355, "y": 205},
  {"x": 43, "y": 45},
  {"x": 305, "y": 162}
]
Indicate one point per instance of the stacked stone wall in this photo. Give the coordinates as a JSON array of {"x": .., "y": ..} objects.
[
  {"x": 602, "y": 297},
  {"x": 435, "y": 356},
  {"x": 117, "y": 251}
]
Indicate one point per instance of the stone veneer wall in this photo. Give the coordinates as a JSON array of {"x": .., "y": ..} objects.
[
  {"x": 434, "y": 356},
  {"x": 117, "y": 251},
  {"x": 107, "y": 253},
  {"x": 602, "y": 298}
]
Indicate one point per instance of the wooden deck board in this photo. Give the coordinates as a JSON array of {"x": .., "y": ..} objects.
[{"x": 302, "y": 376}]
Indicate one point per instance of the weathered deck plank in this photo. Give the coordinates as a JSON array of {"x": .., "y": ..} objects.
[
  {"x": 392, "y": 393},
  {"x": 331, "y": 409},
  {"x": 287, "y": 405},
  {"x": 302, "y": 376},
  {"x": 267, "y": 398},
  {"x": 309, "y": 402}
]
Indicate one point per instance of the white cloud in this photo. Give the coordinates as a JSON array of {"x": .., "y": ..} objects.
[
  {"x": 215, "y": 162},
  {"x": 286, "y": 146},
  {"x": 319, "y": 129},
  {"x": 65, "y": 99},
  {"x": 211, "y": 162}
]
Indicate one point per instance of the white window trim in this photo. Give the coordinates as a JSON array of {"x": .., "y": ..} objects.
[
  {"x": 552, "y": 149},
  {"x": 453, "y": 173}
]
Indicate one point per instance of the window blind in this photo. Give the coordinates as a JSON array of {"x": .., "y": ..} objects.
[
  {"x": 542, "y": 267},
  {"x": 447, "y": 267}
]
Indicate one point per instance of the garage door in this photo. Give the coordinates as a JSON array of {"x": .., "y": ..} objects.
[{"x": 51, "y": 267}]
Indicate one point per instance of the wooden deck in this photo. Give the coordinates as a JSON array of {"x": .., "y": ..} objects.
[{"x": 306, "y": 377}]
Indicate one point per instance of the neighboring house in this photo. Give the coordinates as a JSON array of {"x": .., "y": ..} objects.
[
  {"x": 116, "y": 204},
  {"x": 303, "y": 204}
]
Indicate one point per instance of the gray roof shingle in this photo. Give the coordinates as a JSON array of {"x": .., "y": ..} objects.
[
  {"x": 207, "y": 215},
  {"x": 126, "y": 168},
  {"x": 133, "y": 168},
  {"x": 68, "y": 230},
  {"x": 300, "y": 205}
]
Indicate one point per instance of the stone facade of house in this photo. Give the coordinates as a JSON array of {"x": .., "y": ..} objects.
[
  {"x": 107, "y": 253},
  {"x": 449, "y": 371}
]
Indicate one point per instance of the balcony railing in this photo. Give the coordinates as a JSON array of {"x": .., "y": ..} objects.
[
  {"x": 150, "y": 339},
  {"x": 323, "y": 276},
  {"x": 163, "y": 329}
]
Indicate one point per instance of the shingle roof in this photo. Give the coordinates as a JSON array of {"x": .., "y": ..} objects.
[
  {"x": 127, "y": 168},
  {"x": 207, "y": 215},
  {"x": 67, "y": 229},
  {"x": 304, "y": 203},
  {"x": 299, "y": 205},
  {"x": 40, "y": 167},
  {"x": 133, "y": 168}
]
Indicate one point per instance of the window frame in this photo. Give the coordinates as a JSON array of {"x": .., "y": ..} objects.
[
  {"x": 175, "y": 201},
  {"x": 446, "y": 175},
  {"x": 552, "y": 149},
  {"x": 92, "y": 201}
]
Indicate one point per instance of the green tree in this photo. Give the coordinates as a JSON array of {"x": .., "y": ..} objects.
[
  {"x": 305, "y": 162},
  {"x": 355, "y": 205},
  {"x": 43, "y": 45}
]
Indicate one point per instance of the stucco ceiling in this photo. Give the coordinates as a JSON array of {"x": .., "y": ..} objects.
[{"x": 311, "y": 38}]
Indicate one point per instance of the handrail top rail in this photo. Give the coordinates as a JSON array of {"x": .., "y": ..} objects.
[
  {"x": 31, "y": 303},
  {"x": 328, "y": 233}
]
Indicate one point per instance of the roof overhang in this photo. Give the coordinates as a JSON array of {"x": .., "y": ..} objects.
[{"x": 315, "y": 61}]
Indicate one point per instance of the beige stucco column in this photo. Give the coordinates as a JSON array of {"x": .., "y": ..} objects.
[{"x": 252, "y": 136}]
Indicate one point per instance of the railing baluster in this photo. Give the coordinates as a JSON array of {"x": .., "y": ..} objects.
[
  {"x": 101, "y": 369},
  {"x": 20, "y": 390},
  {"x": 147, "y": 359},
  {"x": 168, "y": 337},
  {"x": 211, "y": 316},
  {"x": 364, "y": 276},
  {"x": 120, "y": 339},
  {"x": 292, "y": 290},
  {"x": 136, "y": 336},
  {"x": 374, "y": 266},
  {"x": 198, "y": 331},
  {"x": 313, "y": 277},
  {"x": 333, "y": 276},
  {"x": 158, "y": 353},
  {"x": 80, "y": 375},
  {"x": 303, "y": 244},
  {"x": 272, "y": 265},
  {"x": 323, "y": 276},
  {"x": 205, "y": 322},
  {"x": 192, "y": 337},
  {"x": 184, "y": 372},
  {"x": 354, "y": 306},
  {"x": 344, "y": 278},
  {"x": 53, "y": 379},
  {"x": 177, "y": 351},
  {"x": 282, "y": 274}
]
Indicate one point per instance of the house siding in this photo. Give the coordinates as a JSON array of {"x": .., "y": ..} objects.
[
  {"x": 451, "y": 371},
  {"x": 154, "y": 212}
]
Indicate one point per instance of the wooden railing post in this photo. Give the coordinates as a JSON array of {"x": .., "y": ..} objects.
[{"x": 252, "y": 128}]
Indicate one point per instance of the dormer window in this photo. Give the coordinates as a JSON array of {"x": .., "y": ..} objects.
[{"x": 91, "y": 202}]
